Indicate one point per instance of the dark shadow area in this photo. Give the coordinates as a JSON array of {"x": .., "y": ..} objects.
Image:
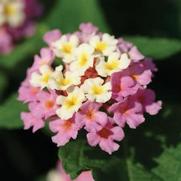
[
  {"x": 25, "y": 156},
  {"x": 140, "y": 17}
]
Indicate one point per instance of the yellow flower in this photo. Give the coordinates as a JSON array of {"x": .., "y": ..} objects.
[
  {"x": 43, "y": 78},
  {"x": 105, "y": 45},
  {"x": 84, "y": 59},
  {"x": 62, "y": 81},
  {"x": 65, "y": 47},
  {"x": 114, "y": 63},
  {"x": 96, "y": 90},
  {"x": 70, "y": 104}
]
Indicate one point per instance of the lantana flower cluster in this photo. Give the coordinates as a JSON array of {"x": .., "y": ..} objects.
[
  {"x": 17, "y": 20},
  {"x": 88, "y": 80}
]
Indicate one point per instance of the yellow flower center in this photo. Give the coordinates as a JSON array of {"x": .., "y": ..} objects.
[
  {"x": 112, "y": 65},
  {"x": 9, "y": 10},
  {"x": 46, "y": 78},
  {"x": 64, "y": 82},
  {"x": 97, "y": 90},
  {"x": 100, "y": 46},
  {"x": 83, "y": 59},
  {"x": 70, "y": 102},
  {"x": 66, "y": 48}
]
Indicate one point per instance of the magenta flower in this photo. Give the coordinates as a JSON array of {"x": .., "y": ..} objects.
[
  {"x": 147, "y": 99},
  {"x": 100, "y": 86},
  {"x": 90, "y": 116},
  {"x": 127, "y": 112},
  {"x": 105, "y": 135},
  {"x": 65, "y": 129}
]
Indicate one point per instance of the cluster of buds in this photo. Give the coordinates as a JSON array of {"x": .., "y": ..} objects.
[
  {"x": 88, "y": 80},
  {"x": 17, "y": 21}
]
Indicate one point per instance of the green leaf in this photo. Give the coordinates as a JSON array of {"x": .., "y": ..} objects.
[
  {"x": 77, "y": 156},
  {"x": 69, "y": 14},
  {"x": 157, "y": 48},
  {"x": 10, "y": 113},
  {"x": 169, "y": 164}
]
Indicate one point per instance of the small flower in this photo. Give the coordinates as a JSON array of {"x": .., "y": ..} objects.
[
  {"x": 105, "y": 45},
  {"x": 46, "y": 58},
  {"x": 105, "y": 135},
  {"x": 147, "y": 99},
  {"x": 45, "y": 105},
  {"x": 90, "y": 116},
  {"x": 65, "y": 47},
  {"x": 43, "y": 78},
  {"x": 70, "y": 104},
  {"x": 62, "y": 81},
  {"x": 31, "y": 120},
  {"x": 84, "y": 59},
  {"x": 114, "y": 63},
  {"x": 95, "y": 90},
  {"x": 27, "y": 93},
  {"x": 52, "y": 36},
  {"x": 127, "y": 112},
  {"x": 65, "y": 129}
]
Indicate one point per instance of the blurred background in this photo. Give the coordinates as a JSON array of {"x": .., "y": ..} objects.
[{"x": 25, "y": 156}]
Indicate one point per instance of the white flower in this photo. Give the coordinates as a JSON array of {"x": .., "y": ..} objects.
[
  {"x": 105, "y": 45},
  {"x": 43, "y": 78},
  {"x": 65, "y": 47},
  {"x": 84, "y": 59},
  {"x": 12, "y": 12},
  {"x": 95, "y": 90},
  {"x": 70, "y": 104},
  {"x": 62, "y": 81},
  {"x": 114, "y": 63}
]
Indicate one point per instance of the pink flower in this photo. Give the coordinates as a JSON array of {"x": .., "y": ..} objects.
[
  {"x": 105, "y": 135},
  {"x": 46, "y": 57},
  {"x": 45, "y": 105},
  {"x": 5, "y": 41},
  {"x": 52, "y": 36},
  {"x": 88, "y": 28},
  {"x": 86, "y": 31},
  {"x": 65, "y": 129},
  {"x": 127, "y": 112},
  {"x": 27, "y": 93},
  {"x": 31, "y": 120},
  {"x": 147, "y": 99},
  {"x": 129, "y": 48},
  {"x": 89, "y": 115},
  {"x": 122, "y": 86}
]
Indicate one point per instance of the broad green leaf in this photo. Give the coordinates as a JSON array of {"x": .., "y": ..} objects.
[
  {"x": 158, "y": 48},
  {"x": 77, "y": 156},
  {"x": 69, "y": 14},
  {"x": 10, "y": 113}
]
